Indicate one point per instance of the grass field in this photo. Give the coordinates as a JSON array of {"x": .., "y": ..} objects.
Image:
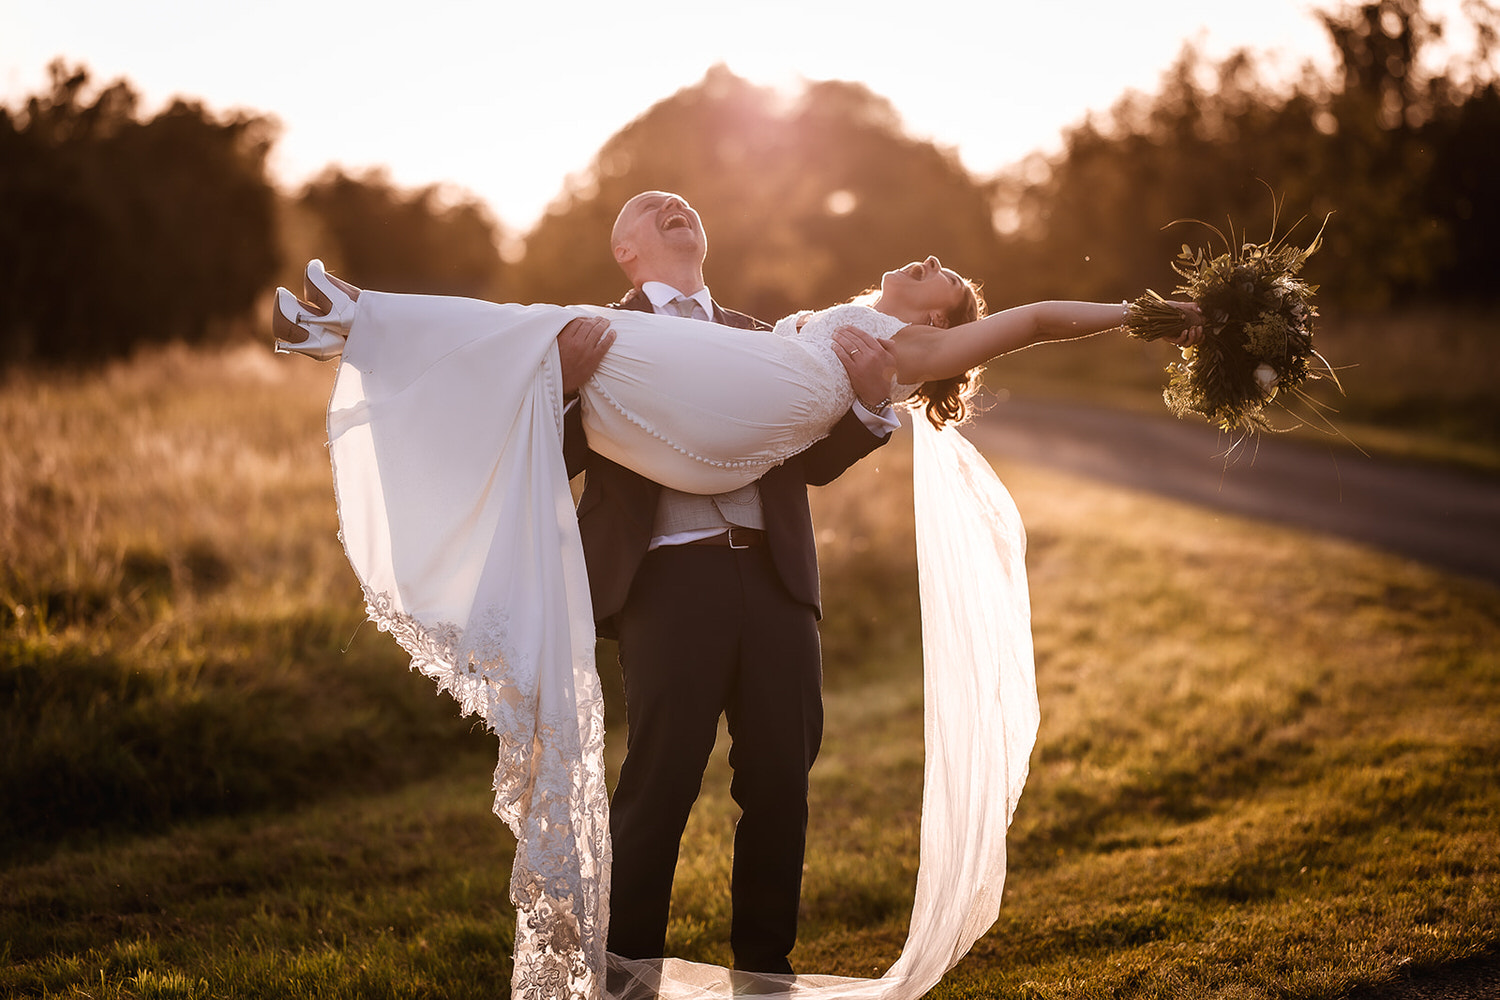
[{"x": 1266, "y": 767}]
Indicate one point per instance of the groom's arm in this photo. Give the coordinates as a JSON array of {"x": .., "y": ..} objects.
[
  {"x": 848, "y": 442},
  {"x": 581, "y": 345}
]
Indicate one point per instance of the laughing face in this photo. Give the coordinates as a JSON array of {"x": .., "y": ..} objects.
[
  {"x": 658, "y": 233},
  {"x": 923, "y": 291}
]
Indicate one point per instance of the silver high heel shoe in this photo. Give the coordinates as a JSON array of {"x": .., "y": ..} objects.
[
  {"x": 334, "y": 297},
  {"x": 293, "y": 318}
]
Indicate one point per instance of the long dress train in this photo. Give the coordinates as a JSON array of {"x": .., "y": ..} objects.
[{"x": 445, "y": 433}]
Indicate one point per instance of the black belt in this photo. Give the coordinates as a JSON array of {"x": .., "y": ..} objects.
[{"x": 734, "y": 538}]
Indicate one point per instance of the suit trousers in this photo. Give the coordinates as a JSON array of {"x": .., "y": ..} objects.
[{"x": 705, "y": 631}]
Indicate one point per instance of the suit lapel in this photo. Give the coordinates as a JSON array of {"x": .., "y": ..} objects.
[{"x": 634, "y": 300}]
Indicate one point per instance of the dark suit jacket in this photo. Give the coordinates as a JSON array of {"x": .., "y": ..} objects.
[{"x": 618, "y": 507}]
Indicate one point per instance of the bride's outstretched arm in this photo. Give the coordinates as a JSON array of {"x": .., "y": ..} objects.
[{"x": 925, "y": 352}]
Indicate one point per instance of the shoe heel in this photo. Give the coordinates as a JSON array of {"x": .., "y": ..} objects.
[
  {"x": 287, "y": 319},
  {"x": 332, "y": 296},
  {"x": 284, "y": 326}
]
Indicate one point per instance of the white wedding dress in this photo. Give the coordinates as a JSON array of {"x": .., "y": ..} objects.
[{"x": 445, "y": 433}]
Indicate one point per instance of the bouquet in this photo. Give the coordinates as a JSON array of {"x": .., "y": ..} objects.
[{"x": 1258, "y": 334}]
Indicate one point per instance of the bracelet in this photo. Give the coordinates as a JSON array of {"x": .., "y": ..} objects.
[
  {"x": 1125, "y": 319},
  {"x": 878, "y": 407}
]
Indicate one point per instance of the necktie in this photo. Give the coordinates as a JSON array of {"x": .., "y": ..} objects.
[{"x": 685, "y": 307}]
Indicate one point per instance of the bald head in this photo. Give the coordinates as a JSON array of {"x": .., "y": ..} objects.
[{"x": 658, "y": 237}]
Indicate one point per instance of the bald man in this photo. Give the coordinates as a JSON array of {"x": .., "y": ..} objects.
[{"x": 714, "y": 602}]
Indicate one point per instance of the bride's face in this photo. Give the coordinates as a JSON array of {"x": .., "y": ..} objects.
[{"x": 920, "y": 291}]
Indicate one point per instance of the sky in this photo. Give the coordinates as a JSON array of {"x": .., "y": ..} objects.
[{"x": 505, "y": 99}]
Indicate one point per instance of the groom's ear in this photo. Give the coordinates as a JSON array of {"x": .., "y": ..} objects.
[{"x": 622, "y": 253}]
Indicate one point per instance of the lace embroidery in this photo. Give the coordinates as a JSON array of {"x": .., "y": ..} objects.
[
  {"x": 549, "y": 789},
  {"x": 817, "y": 333}
]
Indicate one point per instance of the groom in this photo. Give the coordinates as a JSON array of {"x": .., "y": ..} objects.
[{"x": 714, "y": 602}]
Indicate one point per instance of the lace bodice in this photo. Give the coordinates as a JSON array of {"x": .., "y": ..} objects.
[{"x": 817, "y": 333}]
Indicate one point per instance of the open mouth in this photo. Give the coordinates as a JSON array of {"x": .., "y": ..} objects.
[
  {"x": 916, "y": 270},
  {"x": 676, "y": 221}
]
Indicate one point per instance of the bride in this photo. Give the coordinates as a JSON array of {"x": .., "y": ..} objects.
[{"x": 445, "y": 432}]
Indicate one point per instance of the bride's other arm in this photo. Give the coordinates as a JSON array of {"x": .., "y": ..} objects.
[{"x": 924, "y": 353}]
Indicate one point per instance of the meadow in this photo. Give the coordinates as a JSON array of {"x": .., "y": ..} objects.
[{"x": 1266, "y": 766}]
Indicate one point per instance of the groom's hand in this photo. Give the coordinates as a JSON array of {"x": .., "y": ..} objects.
[
  {"x": 581, "y": 345},
  {"x": 870, "y": 364}
]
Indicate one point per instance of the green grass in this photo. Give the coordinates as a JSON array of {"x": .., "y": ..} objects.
[{"x": 1266, "y": 766}]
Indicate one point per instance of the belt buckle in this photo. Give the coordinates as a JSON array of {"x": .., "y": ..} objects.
[{"x": 731, "y": 541}]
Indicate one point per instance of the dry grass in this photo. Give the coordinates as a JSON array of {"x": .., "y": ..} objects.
[
  {"x": 153, "y": 474},
  {"x": 174, "y": 600},
  {"x": 1266, "y": 764}
]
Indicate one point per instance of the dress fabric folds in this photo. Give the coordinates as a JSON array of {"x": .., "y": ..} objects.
[{"x": 445, "y": 435}]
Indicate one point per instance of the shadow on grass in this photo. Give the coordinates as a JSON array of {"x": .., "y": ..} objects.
[
  {"x": 101, "y": 743},
  {"x": 1090, "y": 817}
]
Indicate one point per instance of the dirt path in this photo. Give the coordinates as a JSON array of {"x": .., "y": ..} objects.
[
  {"x": 1444, "y": 517},
  {"x": 1447, "y": 518}
]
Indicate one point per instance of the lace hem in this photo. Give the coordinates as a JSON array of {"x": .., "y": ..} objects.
[{"x": 549, "y": 789}]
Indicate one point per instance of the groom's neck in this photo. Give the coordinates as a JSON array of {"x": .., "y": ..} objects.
[{"x": 686, "y": 280}]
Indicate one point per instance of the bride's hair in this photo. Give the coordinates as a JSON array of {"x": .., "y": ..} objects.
[{"x": 947, "y": 399}]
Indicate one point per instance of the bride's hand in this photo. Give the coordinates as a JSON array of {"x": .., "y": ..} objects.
[
  {"x": 1192, "y": 334},
  {"x": 870, "y": 365},
  {"x": 581, "y": 345}
]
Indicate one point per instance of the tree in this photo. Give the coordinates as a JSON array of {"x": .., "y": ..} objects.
[
  {"x": 1402, "y": 157},
  {"x": 806, "y": 202},
  {"x": 119, "y": 230},
  {"x": 433, "y": 240},
  {"x": 1090, "y": 222}
]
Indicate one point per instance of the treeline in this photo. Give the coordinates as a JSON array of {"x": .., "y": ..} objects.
[
  {"x": 117, "y": 230},
  {"x": 808, "y": 203},
  {"x": 1406, "y": 163},
  {"x": 804, "y": 204},
  {"x": 434, "y": 240}
]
